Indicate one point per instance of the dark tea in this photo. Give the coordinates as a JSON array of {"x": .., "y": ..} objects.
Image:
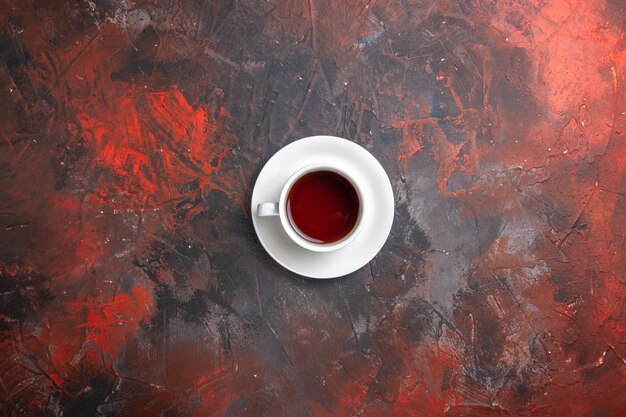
[{"x": 323, "y": 206}]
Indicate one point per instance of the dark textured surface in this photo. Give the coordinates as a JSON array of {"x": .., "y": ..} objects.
[{"x": 131, "y": 281}]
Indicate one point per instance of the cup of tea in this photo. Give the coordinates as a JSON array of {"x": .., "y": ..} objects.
[{"x": 320, "y": 207}]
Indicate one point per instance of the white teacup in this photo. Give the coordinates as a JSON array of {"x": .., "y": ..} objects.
[{"x": 280, "y": 209}]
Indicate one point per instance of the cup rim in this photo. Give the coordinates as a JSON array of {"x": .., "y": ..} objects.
[{"x": 289, "y": 228}]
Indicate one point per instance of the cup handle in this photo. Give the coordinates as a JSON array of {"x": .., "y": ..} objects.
[{"x": 267, "y": 209}]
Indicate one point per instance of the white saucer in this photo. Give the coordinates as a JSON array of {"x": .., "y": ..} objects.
[{"x": 372, "y": 179}]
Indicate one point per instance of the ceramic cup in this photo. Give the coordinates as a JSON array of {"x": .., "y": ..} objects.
[{"x": 279, "y": 209}]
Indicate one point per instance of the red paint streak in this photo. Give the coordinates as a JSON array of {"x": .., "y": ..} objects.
[
  {"x": 451, "y": 157},
  {"x": 420, "y": 389},
  {"x": 151, "y": 145},
  {"x": 213, "y": 397},
  {"x": 109, "y": 324},
  {"x": 410, "y": 145},
  {"x": 448, "y": 156},
  {"x": 195, "y": 375},
  {"x": 476, "y": 411}
]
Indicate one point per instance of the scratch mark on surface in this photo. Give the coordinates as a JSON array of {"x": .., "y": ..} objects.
[
  {"x": 282, "y": 346},
  {"x": 312, "y": 19},
  {"x": 560, "y": 25},
  {"x": 307, "y": 92},
  {"x": 256, "y": 280},
  {"x": 220, "y": 58},
  {"x": 356, "y": 337},
  {"x": 443, "y": 319},
  {"x": 78, "y": 55}
]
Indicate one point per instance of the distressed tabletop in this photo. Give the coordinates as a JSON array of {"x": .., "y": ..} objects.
[{"x": 131, "y": 280}]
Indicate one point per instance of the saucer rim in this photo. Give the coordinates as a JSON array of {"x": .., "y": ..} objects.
[{"x": 361, "y": 156}]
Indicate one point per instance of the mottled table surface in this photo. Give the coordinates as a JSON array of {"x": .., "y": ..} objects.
[{"x": 131, "y": 280}]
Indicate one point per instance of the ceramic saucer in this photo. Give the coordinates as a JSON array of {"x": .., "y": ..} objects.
[{"x": 372, "y": 179}]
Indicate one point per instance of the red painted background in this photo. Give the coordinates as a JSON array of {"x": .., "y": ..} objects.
[{"x": 131, "y": 282}]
